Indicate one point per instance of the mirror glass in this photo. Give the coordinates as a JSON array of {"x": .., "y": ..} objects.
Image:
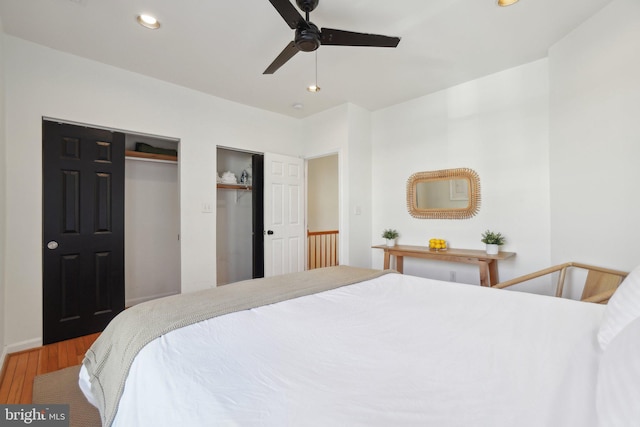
[
  {"x": 449, "y": 194},
  {"x": 442, "y": 194}
]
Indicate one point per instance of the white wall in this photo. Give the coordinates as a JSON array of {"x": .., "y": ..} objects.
[
  {"x": 595, "y": 140},
  {"x": 322, "y": 193},
  {"x": 346, "y": 130},
  {"x": 2, "y": 200},
  {"x": 152, "y": 226},
  {"x": 234, "y": 234},
  {"x": 44, "y": 82},
  {"x": 497, "y": 126},
  {"x": 360, "y": 186}
]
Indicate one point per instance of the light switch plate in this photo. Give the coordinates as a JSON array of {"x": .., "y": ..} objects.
[{"x": 207, "y": 207}]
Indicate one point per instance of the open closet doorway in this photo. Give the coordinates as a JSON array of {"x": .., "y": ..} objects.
[
  {"x": 152, "y": 218},
  {"x": 260, "y": 219},
  {"x": 111, "y": 219},
  {"x": 239, "y": 216},
  {"x": 323, "y": 212}
]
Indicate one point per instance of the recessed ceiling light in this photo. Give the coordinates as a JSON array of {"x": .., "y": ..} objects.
[
  {"x": 504, "y": 3},
  {"x": 148, "y": 21},
  {"x": 298, "y": 106}
]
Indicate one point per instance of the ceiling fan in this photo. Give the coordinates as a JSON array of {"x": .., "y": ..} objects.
[{"x": 309, "y": 37}]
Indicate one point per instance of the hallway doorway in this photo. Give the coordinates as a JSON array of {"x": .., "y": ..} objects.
[{"x": 323, "y": 211}]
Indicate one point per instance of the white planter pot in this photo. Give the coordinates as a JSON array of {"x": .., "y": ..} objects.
[
  {"x": 391, "y": 242},
  {"x": 493, "y": 249}
]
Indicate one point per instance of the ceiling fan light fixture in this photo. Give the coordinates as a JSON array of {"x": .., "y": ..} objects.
[
  {"x": 148, "y": 21},
  {"x": 505, "y": 3},
  {"x": 307, "y": 39}
]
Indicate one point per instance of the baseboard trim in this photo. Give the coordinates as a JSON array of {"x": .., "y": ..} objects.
[
  {"x": 134, "y": 301},
  {"x": 22, "y": 346},
  {"x": 3, "y": 359}
]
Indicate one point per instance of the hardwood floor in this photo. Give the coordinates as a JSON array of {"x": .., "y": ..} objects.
[{"x": 16, "y": 382}]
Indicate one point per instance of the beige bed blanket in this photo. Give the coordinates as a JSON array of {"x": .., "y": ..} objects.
[{"x": 110, "y": 357}]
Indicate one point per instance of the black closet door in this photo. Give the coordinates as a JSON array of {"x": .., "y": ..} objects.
[
  {"x": 83, "y": 229},
  {"x": 257, "y": 166}
]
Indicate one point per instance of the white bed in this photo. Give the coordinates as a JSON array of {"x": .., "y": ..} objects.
[{"x": 393, "y": 351}]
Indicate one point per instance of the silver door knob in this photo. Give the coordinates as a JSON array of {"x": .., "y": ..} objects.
[{"x": 52, "y": 245}]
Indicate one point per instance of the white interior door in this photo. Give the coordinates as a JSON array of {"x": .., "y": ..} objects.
[{"x": 284, "y": 239}]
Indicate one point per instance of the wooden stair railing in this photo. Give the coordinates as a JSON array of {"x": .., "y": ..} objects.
[{"x": 322, "y": 249}]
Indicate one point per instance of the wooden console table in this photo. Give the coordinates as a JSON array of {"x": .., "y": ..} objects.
[{"x": 488, "y": 264}]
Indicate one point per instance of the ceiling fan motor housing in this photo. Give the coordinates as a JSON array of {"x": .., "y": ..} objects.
[
  {"x": 307, "y": 5},
  {"x": 308, "y": 39}
]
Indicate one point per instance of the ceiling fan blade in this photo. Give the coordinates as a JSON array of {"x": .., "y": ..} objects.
[
  {"x": 330, "y": 36},
  {"x": 286, "y": 54},
  {"x": 289, "y": 13}
]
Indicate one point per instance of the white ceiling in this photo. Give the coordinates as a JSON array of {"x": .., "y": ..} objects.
[{"x": 221, "y": 47}]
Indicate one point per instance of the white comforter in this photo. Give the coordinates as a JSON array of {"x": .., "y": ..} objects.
[{"x": 394, "y": 351}]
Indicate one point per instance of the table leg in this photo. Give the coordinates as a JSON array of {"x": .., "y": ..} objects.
[
  {"x": 387, "y": 260},
  {"x": 493, "y": 272},
  {"x": 485, "y": 275},
  {"x": 399, "y": 263}
]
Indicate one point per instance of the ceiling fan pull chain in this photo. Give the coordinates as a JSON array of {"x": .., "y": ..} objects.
[{"x": 317, "y": 87}]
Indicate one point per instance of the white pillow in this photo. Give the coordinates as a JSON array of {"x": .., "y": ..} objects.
[
  {"x": 618, "y": 388},
  {"x": 622, "y": 309}
]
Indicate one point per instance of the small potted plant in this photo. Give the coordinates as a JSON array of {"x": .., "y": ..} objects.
[
  {"x": 391, "y": 235},
  {"x": 493, "y": 241}
]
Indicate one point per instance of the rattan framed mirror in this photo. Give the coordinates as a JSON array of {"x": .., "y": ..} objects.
[{"x": 444, "y": 194}]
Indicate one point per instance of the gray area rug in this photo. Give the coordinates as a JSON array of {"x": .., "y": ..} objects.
[{"x": 62, "y": 387}]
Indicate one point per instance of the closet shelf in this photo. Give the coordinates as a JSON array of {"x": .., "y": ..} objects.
[
  {"x": 151, "y": 157},
  {"x": 234, "y": 187}
]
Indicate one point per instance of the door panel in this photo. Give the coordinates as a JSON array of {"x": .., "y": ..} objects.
[
  {"x": 284, "y": 214},
  {"x": 102, "y": 199},
  {"x": 83, "y": 229},
  {"x": 277, "y": 203},
  {"x": 71, "y": 201},
  {"x": 294, "y": 206},
  {"x": 295, "y": 258},
  {"x": 69, "y": 286}
]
